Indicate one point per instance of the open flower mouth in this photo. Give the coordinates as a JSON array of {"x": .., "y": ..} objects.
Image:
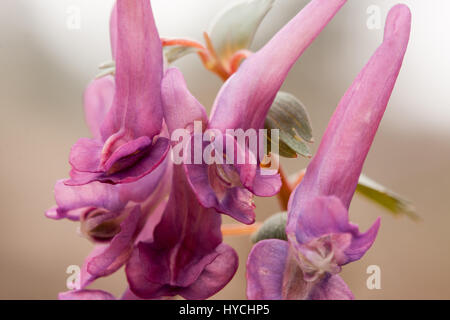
[
  {"x": 127, "y": 161},
  {"x": 222, "y": 177},
  {"x": 101, "y": 226},
  {"x": 317, "y": 259},
  {"x": 126, "y": 155}
]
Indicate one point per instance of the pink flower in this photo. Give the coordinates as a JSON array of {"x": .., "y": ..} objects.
[
  {"x": 125, "y": 116},
  {"x": 243, "y": 103},
  {"x": 320, "y": 237}
]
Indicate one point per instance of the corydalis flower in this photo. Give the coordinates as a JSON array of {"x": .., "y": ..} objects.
[
  {"x": 243, "y": 103},
  {"x": 321, "y": 238},
  {"x": 186, "y": 255},
  {"x": 116, "y": 216},
  {"x": 126, "y": 145}
]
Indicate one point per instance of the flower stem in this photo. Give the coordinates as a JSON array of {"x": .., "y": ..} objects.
[
  {"x": 239, "y": 230},
  {"x": 285, "y": 191}
]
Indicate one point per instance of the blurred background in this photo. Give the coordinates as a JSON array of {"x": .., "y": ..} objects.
[{"x": 45, "y": 65}]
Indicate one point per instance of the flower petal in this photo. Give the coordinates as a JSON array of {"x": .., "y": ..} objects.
[
  {"x": 98, "y": 99},
  {"x": 127, "y": 154},
  {"x": 156, "y": 155},
  {"x": 86, "y": 295},
  {"x": 331, "y": 288},
  {"x": 274, "y": 274},
  {"x": 184, "y": 244},
  {"x": 265, "y": 270},
  {"x": 150, "y": 160},
  {"x": 337, "y": 166},
  {"x": 215, "y": 276},
  {"x": 252, "y": 89},
  {"x": 137, "y": 106},
  {"x": 181, "y": 108},
  {"x": 117, "y": 252},
  {"x": 224, "y": 187},
  {"x": 266, "y": 184},
  {"x": 72, "y": 201},
  {"x": 85, "y": 155},
  {"x": 56, "y": 213},
  {"x": 236, "y": 202},
  {"x": 327, "y": 217}
]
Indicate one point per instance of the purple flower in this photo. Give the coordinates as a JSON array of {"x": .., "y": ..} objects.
[
  {"x": 114, "y": 217},
  {"x": 86, "y": 295},
  {"x": 243, "y": 103},
  {"x": 321, "y": 238},
  {"x": 125, "y": 115},
  {"x": 117, "y": 209},
  {"x": 186, "y": 255}
]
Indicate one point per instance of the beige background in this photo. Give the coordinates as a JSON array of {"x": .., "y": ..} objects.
[{"x": 44, "y": 68}]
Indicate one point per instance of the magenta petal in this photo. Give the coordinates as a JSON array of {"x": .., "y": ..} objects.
[
  {"x": 137, "y": 105},
  {"x": 266, "y": 184},
  {"x": 85, "y": 277},
  {"x": 184, "y": 244},
  {"x": 181, "y": 108},
  {"x": 78, "y": 198},
  {"x": 331, "y": 288},
  {"x": 129, "y": 295},
  {"x": 86, "y": 295},
  {"x": 157, "y": 209},
  {"x": 98, "y": 99},
  {"x": 156, "y": 155},
  {"x": 336, "y": 168},
  {"x": 72, "y": 201},
  {"x": 334, "y": 172},
  {"x": 252, "y": 89},
  {"x": 235, "y": 202},
  {"x": 118, "y": 250},
  {"x": 265, "y": 270},
  {"x": 127, "y": 154},
  {"x": 215, "y": 276},
  {"x": 225, "y": 187},
  {"x": 149, "y": 162},
  {"x": 56, "y": 213},
  {"x": 327, "y": 216},
  {"x": 274, "y": 274},
  {"x": 321, "y": 216},
  {"x": 362, "y": 242},
  {"x": 85, "y": 155}
]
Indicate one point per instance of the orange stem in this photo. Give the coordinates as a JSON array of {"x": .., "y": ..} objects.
[
  {"x": 239, "y": 230},
  {"x": 215, "y": 65},
  {"x": 285, "y": 191},
  {"x": 202, "y": 51},
  {"x": 182, "y": 42},
  {"x": 237, "y": 58}
]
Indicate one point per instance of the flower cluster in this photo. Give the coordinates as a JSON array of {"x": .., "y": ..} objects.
[{"x": 162, "y": 220}]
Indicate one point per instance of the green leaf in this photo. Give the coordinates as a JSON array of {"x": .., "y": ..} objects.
[
  {"x": 173, "y": 53},
  {"x": 235, "y": 28},
  {"x": 388, "y": 199},
  {"x": 273, "y": 228},
  {"x": 289, "y": 115},
  {"x": 283, "y": 149}
]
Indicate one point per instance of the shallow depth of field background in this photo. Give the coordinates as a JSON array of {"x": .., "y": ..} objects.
[{"x": 45, "y": 68}]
